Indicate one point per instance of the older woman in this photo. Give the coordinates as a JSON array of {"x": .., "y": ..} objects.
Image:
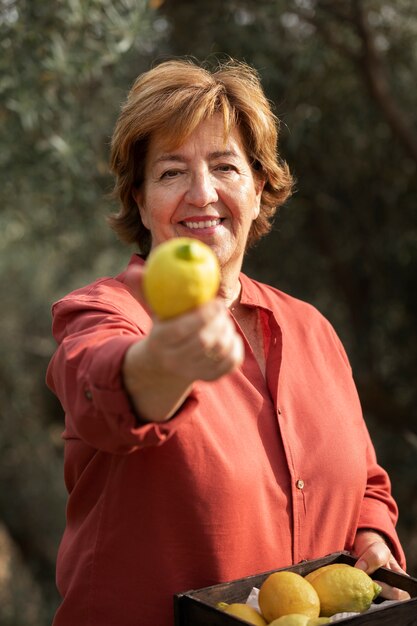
[{"x": 226, "y": 441}]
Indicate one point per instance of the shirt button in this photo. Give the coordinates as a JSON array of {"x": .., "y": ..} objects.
[
  {"x": 299, "y": 484},
  {"x": 87, "y": 394}
]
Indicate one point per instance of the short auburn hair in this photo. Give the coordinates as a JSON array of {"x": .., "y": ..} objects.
[{"x": 172, "y": 99}]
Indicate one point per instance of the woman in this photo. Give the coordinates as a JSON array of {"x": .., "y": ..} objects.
[{"x": 227, "y": 441}]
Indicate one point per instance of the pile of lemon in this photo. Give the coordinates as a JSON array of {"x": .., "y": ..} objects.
[{"x": 289, "y": 599}]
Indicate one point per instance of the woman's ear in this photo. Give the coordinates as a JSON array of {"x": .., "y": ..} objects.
[
  {"x": 137, "y": 195},
  {"x": 260, "y": 182},
  {"x": 259, "y": 187}
]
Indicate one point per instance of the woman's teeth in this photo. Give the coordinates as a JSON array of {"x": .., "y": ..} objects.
[{"x": 203, "y": 224}]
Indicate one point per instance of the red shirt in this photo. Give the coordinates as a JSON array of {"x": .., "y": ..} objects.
[{"x": 252, "y": 474}]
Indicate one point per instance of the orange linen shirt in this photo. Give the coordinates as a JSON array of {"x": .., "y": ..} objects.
[{"x": 251, "y": 474}]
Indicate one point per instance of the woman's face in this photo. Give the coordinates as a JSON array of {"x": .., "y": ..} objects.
[{"x": 204, "y": 189}]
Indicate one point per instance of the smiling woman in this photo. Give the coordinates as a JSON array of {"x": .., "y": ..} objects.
[{"x": 188, "y": 440}]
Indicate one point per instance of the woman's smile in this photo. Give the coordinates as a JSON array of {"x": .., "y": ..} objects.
[
  {"x": 202, "y": 227},
  {"x": 205, "y": 224}
]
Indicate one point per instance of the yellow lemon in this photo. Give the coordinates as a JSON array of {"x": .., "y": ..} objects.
[
  {"x": 243, "y": 611},
  {"x": 293, "y": 619},
  {"x": 180, "y": 275},
  {"x": 283, "y": 593},
  {"x": 343, "y": 589},
  {"x": 312, "y": 575},
  {"x": 296, "y": 619}
]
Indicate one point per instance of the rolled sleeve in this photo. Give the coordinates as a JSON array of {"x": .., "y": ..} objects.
[
  {"x": 97, "y": 407},
  {"x": 86, "y": 375},
  {"x": 379, "y": 510}
]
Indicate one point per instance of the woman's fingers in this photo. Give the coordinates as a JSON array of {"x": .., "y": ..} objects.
[
  {"x": 203, "y": 343},
  {"x": 392, "y": 593},
  {"x": 376, "y": 555},
  {"x": 173, "y": 332},
  {"x": 222, "y": 358},
  {"x": 215, "y": 350}
]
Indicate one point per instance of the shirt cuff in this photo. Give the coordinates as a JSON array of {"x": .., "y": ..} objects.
[{"x": 109, "y": 421}]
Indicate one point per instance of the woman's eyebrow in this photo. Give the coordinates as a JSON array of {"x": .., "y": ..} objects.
[
  {"x": 217, "y": 154},
  {"x": 170, "y": 157}
]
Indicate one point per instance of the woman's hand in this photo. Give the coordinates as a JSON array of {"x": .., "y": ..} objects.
[
  {"x": 201, "y": 345},
  {"x": 205, "y": 338},
  {"x": 159, "y": 370},
  {"x": 373, "y": 552}
]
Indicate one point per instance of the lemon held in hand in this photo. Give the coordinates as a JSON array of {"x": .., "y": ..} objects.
[{"x": 180, "y": 275}]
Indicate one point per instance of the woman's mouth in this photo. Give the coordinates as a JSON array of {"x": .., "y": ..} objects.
[{"x": 202, "y": 224}]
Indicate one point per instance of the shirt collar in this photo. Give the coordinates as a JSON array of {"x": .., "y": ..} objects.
[{"x": 250, "y": 294}]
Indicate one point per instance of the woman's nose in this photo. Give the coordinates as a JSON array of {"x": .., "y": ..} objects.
[{"x": 202, "y": 190}]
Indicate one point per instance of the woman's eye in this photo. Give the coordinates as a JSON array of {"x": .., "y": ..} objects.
[
  {"x": 170, "y": 173},
  {"x": 226, "y": 168}
]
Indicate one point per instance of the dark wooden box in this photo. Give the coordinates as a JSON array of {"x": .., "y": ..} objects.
[{"x": 198, "y": 607}]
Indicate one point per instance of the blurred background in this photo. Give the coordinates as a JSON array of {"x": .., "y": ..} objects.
[{"x": 342, "y": 77}]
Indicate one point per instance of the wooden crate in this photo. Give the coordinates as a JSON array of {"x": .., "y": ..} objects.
[{"x": 198, "y": 607}]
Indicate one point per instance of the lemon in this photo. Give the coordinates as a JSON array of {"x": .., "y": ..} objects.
[
  {"x": 283, "y": 593},
  {"x": 343, "y": 589},
  {"x": 180, "y": 275},
  {"x": 296, "y": 619},
  {"x": 312, "y": 575},
  {"x": 243, "y": 611},
  {"x": 293, "y": 619}
]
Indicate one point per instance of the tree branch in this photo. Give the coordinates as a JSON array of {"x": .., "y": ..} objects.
[
  {"x": 326, "y": 32},
  {"x": 370, "y": 64},
  {"x": 373, "y": 69}
]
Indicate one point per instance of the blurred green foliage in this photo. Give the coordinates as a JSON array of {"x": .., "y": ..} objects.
[{"x": 341, "y": 77}]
